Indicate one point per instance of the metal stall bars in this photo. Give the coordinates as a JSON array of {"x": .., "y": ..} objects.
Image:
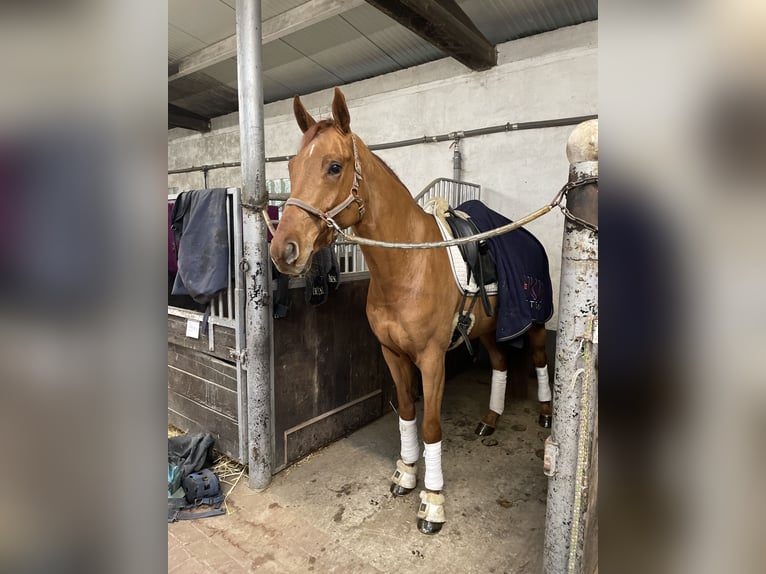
[
  {"x": 223, "y": 306},
  {"x": 454, "y": 191},
  {"x": 227, "y": 310},
  {"x": 570, "y": 511}
]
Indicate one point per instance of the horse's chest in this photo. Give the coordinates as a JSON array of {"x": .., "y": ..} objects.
[
  {"x": 407, "y": 325},
  {"x": 391, "y": 334}
]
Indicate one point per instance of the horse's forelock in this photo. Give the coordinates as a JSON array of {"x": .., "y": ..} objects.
[
  {"x": 323, "y": 125},
  {"x": 315, "y": 130}
]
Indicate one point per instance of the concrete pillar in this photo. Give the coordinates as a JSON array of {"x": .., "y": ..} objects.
[
  {"x": 568, "y": 450},
  {"x": 256, "y": 261}
]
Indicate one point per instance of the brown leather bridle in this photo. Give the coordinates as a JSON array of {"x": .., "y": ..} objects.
[{"x": 353, "y": 197}]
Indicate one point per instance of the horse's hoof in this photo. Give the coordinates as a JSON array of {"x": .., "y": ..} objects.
[
  {"x": 428, "y": 527},
  {"x": 545, "y": 421},
  {"x": 404, "y": 479},
  {"x": 483, "y": 429},
  {"x": 399, "y": 490}
]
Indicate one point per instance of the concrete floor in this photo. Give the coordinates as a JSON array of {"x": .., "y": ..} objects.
[{"x": 332, "y": 512}]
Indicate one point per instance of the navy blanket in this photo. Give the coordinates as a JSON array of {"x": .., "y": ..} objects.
[
  {"x": 525, "y": 294},
  {"x": 201, "y": 234}
]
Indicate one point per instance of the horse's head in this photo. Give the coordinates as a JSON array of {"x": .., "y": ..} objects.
[{"x": 324, "y": 185}]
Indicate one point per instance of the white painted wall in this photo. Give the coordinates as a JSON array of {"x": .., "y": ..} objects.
[{"x": 548, "y": 76}]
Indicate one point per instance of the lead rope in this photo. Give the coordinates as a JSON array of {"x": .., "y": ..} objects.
[{"x": 352, "y": 238}]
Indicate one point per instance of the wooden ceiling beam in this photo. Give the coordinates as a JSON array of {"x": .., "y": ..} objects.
[
  {"x": 274, "y": 28},
  {"x": 443, "y": 24}
]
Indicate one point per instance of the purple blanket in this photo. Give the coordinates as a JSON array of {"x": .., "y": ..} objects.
[
  {"x": 172, "y": 259},
  {"x": 525, "y": 294}
]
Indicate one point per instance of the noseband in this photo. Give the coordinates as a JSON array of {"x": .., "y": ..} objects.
[{"x": 353, "y": 197}]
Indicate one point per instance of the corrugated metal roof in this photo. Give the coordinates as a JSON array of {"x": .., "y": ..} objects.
[
  {"x": 279, "y": 53},
  {"x": 397, "y": 42},
  {"x": 341, "y": 49},
  {"x": 181, "y": 44},
  {"x": 302, "y": 76},
  {"x": 322, "y": 36},
  {"x": 505, "y": 20},
  {"x": 271, "y": 8},
  {"x": 206, "y": 20},
  {"x": 225, "y": 72},
  {"x": 358, "y": 43},
  {"x": 273, "y": 90}
]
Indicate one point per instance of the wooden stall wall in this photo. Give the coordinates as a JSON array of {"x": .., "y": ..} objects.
[
  {"x": 329, "y": 374},
  {"x": 202, "y": 384}
]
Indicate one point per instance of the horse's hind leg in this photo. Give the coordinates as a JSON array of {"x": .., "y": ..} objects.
[
  {"x": 497, "y": 393},
  {"x": 404, "y": 479},
  {"x": 537, "y": 336}
]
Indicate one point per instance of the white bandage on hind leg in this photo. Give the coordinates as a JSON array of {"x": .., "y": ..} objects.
[
  {"x": 408, "y": 431},
  {"x": 497, "y": 394},
  {"x": 433, "y": 456},
  {"x": 543, "y": 388}
]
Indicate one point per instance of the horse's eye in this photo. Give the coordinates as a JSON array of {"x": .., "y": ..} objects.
[{"x": 334, "y": 169}]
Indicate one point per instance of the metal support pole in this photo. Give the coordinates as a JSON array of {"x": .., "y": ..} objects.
[
  {"x": 255, "y": 261},
  {"x": 568, "y": 450},
  {"x": 457, "y": 161}
]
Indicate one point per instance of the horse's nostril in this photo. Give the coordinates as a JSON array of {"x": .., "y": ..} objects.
[{"x": 291, "y": 252}]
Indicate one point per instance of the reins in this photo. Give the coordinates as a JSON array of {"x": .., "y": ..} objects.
[{"x": 353, "y": 197}]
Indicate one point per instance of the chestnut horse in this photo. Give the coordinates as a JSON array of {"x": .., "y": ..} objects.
[{"x": 412, "y": 297}]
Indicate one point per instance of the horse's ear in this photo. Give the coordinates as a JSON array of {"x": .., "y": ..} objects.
[
  {"x": 340, "y": 112},
  {"x": 304, "y": 119}
]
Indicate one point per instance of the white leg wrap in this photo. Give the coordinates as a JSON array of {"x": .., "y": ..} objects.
[
  {"x": 408, "y": 431},
  {"x": 543, "y": 387},
  {"x": 431, "y": 507},
  {"x": 405, "y": 476},
  {"x": 497, "y": 394},
  {"x": 433, "y": 455}
]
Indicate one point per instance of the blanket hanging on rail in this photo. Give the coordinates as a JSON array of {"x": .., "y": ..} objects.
[
  {"x": 202, "y": 239},
  {"x": 524, "y": 281}
]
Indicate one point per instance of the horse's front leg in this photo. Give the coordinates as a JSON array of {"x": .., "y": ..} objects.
[
  {"x": 499, "y": 364},
  {"x": 404, "y": 478},
  {"x": 431, "y": 516}
]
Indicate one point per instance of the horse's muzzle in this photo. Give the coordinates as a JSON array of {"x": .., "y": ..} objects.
[
  {"x": 288, "y": 257},
  {"x": 290, "y": 252}
]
